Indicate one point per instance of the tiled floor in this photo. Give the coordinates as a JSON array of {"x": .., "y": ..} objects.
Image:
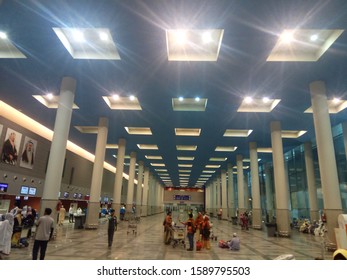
[{"x": 147, "y": 244}]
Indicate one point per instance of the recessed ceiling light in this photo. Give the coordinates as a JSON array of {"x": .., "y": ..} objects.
[
  {"x": 147, "y": 147},
  {"x": 206, "y": 37},
  {"x": 161, "y": 170},
  {"x": 187, "y": 131},
  {"x": 197, "y": 99},
  {"x": 49, "y": 96},
  {"x": 78, "y": 36},
  {"x": 132, "y": 97},
  {"x": 264, "y": 150},
  {"x": 217, "y": 159},
  {"x": 287, "y": 36},
  {"x": 3, "y": 35},
  {"x": 186, "y": 147},
  {"x": 158, "y": 164},
  {"x": 208, "y": 171},
  {"x": 314, "y": 37},
  {"x": 266, "y": 99},
  {"x": 185, "y": 165},
  {"x": 115, "y": 96},
  {"x": 103, "y": 36},
  {"x": 258, "y": 105},
  {"x": 292, "y": 133},
  {"x": 184, "y": 170},
  {"x": 139, "y": 130},
  {"x": 153, "y": 157},
  {"x": 185, "y": 158},
  {"x": 248, "y": 99},
  {"x": 51, "y": 101},
  {"x": 336, "y": 100},
  {"x": 189, "y": 104},
  {"x": 237, "y": 132},
  {"x": 122, "y": 103},
  {"x": 180, "y": 37},
  {"x": 225, "y": 149},
  {"x": 212, "y": 166},
  {"x": 180, "y": 98}
]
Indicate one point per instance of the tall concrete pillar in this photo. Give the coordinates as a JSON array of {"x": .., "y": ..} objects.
[
  {"x": 145, "y": 193},
  {"x": 130, "y": 195},
  {"x": 240, "y": 185},
  {"x": 92, "y": 219},
  {"x": 326, "y": 156},
  {"x": 269, "y": 194},
  {"x": 139, "y": 189},
  {"x": 231, "y": 194},
  {"x": 118, "y": 182},
  {"x": 58, "y": 147},
  {"x": 256, "y": 205},
  {"x": 224, "y": 195},
  {"x": 218, "y": 192},
  {"x": 311, "y": 184},
  {"x": 281, "y": 186}
]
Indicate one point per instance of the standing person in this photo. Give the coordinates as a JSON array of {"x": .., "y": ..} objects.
[
  {"x": 9, "y": 150},
  {"x": 71, "y": 214},
  {"x": 206, "y": 227},
  {"x": 190, "y": 231},
  {"x": 44, "y": 231},
  {"x": 122, "y": 212},
  {"x": 168, "y": 230},
  {"x": 234, "y": 243},
  {"x": 198, "y": 223},
  {"x": 6, "y": 229},
  {"x": 62, "y": 213},
  {"x": 112, "y": 227}
]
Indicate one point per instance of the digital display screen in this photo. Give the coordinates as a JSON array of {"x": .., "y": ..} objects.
[
  {"x": 32, "y": 191},
  {"x": 181, "y": 197},
  {"x": 66, "y": 195},
  {"x": 24, "y": 190},
  {"x": 3, "y": 187}
]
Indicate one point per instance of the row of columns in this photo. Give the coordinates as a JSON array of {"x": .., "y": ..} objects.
[
  {"x": 147, "y": 187},
  {"x": 327, "y": 167},
  {"x": 152, "y": 190}
]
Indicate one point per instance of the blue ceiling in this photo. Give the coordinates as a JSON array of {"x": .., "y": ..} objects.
[{"x": 251, "y": 29}]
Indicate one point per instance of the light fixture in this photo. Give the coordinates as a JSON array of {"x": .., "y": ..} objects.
[
  {"x": 132, "y": 97},
  {"x": 197, "y": 99},
  {"x": 103, "y": 36},
  {"x": 180, "y": 98},
  {"x": 3, "y": 35},
  {"x": 287, "y": 37},
  {"x": 78, "y": 35},
  {"x": 266, "y": 99},
  {"x": 115, "y": 96}
]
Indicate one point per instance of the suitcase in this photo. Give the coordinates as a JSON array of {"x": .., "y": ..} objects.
[{"x": 198, "y": 245}]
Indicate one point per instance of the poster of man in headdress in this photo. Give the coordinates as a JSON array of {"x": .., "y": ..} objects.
[
  {"x": 27, "y": 158},
  {"x": 11, "y": 146}
]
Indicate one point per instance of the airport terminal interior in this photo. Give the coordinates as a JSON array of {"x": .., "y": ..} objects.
[{"x": 235, "y": 109}]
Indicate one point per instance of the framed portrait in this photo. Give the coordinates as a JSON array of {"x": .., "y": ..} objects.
[
  {"x": 27, "y": 157},
  {"x": 11, "y": 146}
]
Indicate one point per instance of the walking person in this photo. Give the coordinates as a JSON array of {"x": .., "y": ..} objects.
[
  {"x": 112, "y": 227},
  {"x": 71, "y": 212},
  {"x": 62, "y": 212},
  {"x": 44, "y": 232}
]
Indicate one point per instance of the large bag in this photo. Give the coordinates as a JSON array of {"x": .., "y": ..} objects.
[
  {"x": 223, "y": 244},
  {"x": 198, "y": 245}
]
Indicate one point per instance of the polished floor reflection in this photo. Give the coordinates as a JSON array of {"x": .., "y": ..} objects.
[{"x": 147, "y": 244}]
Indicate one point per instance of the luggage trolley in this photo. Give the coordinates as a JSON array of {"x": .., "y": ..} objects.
[
  {"x": 132, "y": 224},
  {"x": 179, "y": 233}
]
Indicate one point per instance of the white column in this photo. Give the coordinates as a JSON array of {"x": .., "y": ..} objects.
[
  {"x": 224, "y": 195},
  {"x": 218, "y": 191},
  {"x": 256, "y": 206},
  {"x": 240, "y": 185},
  {"x": 118, "y": 182},
  {"x": 311, "y": 185},
  {"x": 231, "y": 194},
  {"x": 139, "y": 189},
  {"x": 269, "y": 194},
  {"x": 92, "y": 219},
  {"x": 281, "y": 186},
  {"x": 130, "y": 195},
  {"x": 145, "y": 193},
  {"x": 58, "y": 147},
  {"x": 326, "y": 156}
]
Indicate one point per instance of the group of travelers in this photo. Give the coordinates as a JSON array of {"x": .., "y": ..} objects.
[{"x": 200, "y": 227}]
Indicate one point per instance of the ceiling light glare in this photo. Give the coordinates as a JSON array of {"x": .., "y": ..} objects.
[
  {"x": 266, "y": 99},
  {"x": 49, "y": 96},
  {"x": 115, "y": 96},
  {"x": 287, "y": 37},
  {"x": 78, "y": 36},
  {"x": 180, "y": 37},
  {"x": 197, "y": 99},
  {"x": 206, "y": 37},
  {"x": 103, "y": 36},
  {"x": 3, "y": 35},
  {"x": 248, "y": 99},
  {"x": 336, "y": 100},
  {"x": 314, "y": 37},
  {"x": 132, "y": 97},
  {"x": 180, "y": 98}
]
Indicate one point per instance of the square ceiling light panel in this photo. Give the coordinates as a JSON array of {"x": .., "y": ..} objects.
[
  {"x": 88, "y": 43},
  {"x": 185, "y": 165},
  {"x": 334, "y": 106},
  {"x": 51, "y": 101},
  {"x": 185, "y": 158},
  {"x": 189, "y": 104},
  {"x": 264, "y": 150},
  {"x": 264, "y": 105},
  {"x": 111, "y": 146},
  {"x": 237, "y": 132},
  {"x": 187, "y": 131},
  {"x": 122, "y": 103},
  {"x": 139, "y": 130},
  {"x": 193, "y": 44},
  {"x": 292, "y": 133},
  {"x": 217, "y": 159},
  {"x": 225, "y": 149},
  {"x": 153, "y": 157},
  {"x": 303, "y": 44},
  {"x": 8, "y": 49},
  {"x": 186, "y": 147},
  {"x": 147, "y": 147}
]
